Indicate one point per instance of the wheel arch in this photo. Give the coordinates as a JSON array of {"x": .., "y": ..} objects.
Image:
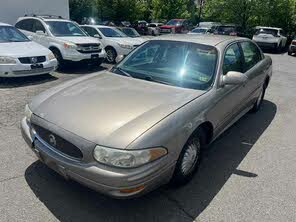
[{"x": 208, "y": 128}]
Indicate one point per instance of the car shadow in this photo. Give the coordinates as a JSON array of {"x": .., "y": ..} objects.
[
  {"x": 81, "y": 68},
  {"x": 69, "y": 201},
  {"x": 25, "y": 81}
]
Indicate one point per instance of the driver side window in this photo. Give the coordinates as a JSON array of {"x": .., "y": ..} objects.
[{"x": 232, "y": 60}]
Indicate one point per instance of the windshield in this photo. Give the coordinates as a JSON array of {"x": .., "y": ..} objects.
[
  {"x": 267, "y": 31},
  {"x": 11, "y": 34},
  {"x": 199, "y": 30},
  {"x": 131, "y": 32},
  {"x": 174, "y": 22},
  {"x": 182, "y": 64},
  {"x": 64, "y": 28},
  {"x": 109, "y": 32}
]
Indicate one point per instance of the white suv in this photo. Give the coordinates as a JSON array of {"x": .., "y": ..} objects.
[
  {"x": 19, "y": 56},
  {"x": 64, "y": 38},
  {"x": 115, "y": 42},
  {"x": 270, "y": 37}
]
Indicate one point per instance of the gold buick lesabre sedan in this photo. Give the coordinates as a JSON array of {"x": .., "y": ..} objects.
[{"x": 146, "y": 122}]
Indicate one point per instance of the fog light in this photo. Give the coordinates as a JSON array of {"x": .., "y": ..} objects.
[{"x": 132, "y": 190}]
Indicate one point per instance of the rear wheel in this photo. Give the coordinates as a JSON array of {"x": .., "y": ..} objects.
[
  {"x": 190, "y": 158},
  {"x": 111, "y": 55},
  {"x": 289, "y": 52},
  {"x": 259, "y": 100}
]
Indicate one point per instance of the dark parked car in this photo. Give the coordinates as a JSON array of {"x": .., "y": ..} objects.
[
  {"x": 176, "y": 26},
  {"x": 232, "y": 30},
  {"x": 292, "y": 48},
  {"x": 130, "y": 32},
  {"x": 141, "y": 27}
]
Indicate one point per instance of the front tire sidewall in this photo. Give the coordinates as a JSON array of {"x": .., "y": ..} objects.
[
  {"x": 179, "y": 178},
  {"x": 111, "y": 55}
]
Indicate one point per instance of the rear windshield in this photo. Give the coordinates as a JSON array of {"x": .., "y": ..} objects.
[
  {"x": 114, "y": 33},
  {"x": 267, "y": 31},
  {"x": 226, "y": 29}
]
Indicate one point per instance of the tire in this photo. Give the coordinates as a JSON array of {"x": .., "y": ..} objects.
[
  {"x": 190, "y": 158},
  {"x": 59, "y": 57},
  {"x": 279, "y": 48},
  {"x": 289, "y": 53},
  {"x": 111, "y": 55},
  {"x": 259, "y": 100}
]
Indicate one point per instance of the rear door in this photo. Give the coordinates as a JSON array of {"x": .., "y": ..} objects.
[{"x": 255, "y": 68}]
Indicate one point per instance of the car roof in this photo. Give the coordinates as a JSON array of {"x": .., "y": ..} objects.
[
  {"x": 266, "y": 27},
  {"x": 45, "y": 18},
  {"x": 99, "y": 26},
  {"x": 212, "y": 40},
  {"x": 4, "y": 24}
]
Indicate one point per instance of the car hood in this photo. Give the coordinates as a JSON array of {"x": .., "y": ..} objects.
[
  {"x": 109, "y": 109},
  {"x": 129, "y": 41},
  {"x": 22, "y": 49},
  {"x": 80, "y": 39}
]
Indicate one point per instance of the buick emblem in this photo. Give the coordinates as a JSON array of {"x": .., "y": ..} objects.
[
  {"x": 34, "y": 60},
  {"x": 52, "y": 140}
]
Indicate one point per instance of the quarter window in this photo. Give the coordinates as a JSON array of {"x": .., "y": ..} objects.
[
  {"x": 252, "y": 55},
  {"x": 91, "y": 31},
  {"x": 37, "y": 26},
  {"x": 26, "y": 25},
  {"x": 232, "y": 60}
]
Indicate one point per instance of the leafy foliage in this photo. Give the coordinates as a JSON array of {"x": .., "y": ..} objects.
[{"x": 247, "y": 13}]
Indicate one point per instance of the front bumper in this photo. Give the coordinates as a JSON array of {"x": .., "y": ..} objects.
[
  {"x": 292, "y": 48},
  {"x": 75, "y": 56},
  {"x": 21, "y": 70},
  {"x": 104, "y": 179}
]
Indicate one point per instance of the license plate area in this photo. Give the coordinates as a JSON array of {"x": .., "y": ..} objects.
[
  {"x": 37, "y": 66},
  {"x": 94, "y": 56}
]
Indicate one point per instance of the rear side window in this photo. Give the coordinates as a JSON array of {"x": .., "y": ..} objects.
[
  {"x": 91, "y": 31},
  {"x": 26, "y": 24},
  {"x": 233, "y": 59},
  {"x": 252, "y": 55},
  {"x": 37, "y": 26}
]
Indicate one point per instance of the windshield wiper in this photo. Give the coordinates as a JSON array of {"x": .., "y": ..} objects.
[
  {"x": 123, "y": 72},
  {"x": 151, "y": 79}
]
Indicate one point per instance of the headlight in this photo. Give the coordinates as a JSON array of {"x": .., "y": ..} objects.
[
  {"x": 7, "y": 60},
  {"x": 28, "y": 113},
  {"x": 125, "y": 46},
  {"x": 51, "y": 56},
  {"x": 70, "y": 45},
  {"x": 127, "y": 158}
]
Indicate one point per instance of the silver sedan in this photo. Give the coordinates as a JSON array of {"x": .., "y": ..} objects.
[{"x": 146, "y": 122}]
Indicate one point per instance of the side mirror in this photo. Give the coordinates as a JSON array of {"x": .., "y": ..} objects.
[
  {"x": 234, "y": 78},
  {"x": 98, "y": 36},
  {"x": 39, "y": 32},
  {"x": 30, "y": 37},
  {"x": 119, "y": 58}
]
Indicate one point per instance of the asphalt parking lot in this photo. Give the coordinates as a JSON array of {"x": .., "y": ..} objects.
[{"x": 248, "y": 174}]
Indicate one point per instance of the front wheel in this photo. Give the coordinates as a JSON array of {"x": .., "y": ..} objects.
[
  {"x": 59, "y": 57},
  {"x": 111, "y": 55},
  {"x": 189, "y": 159}
]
